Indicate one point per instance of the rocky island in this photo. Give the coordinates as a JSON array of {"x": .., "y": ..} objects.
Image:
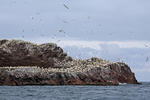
[{"x": 25, "y": 63}]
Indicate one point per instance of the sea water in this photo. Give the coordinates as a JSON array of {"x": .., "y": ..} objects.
[{"x": 121, "y": 92}]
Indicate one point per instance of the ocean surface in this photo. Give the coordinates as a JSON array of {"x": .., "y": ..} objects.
[{"x": 122, "y": 92}]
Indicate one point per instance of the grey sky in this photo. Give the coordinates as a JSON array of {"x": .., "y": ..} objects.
[
  {"x": 83, "y": 21},
  {"x": 104, "y": 19}
]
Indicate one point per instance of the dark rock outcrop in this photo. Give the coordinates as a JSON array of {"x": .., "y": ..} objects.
[
  {"x": 21, "y": 53},
  {"x": 25, "y": 59}
]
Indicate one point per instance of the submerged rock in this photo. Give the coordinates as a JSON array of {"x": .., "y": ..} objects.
[{"x": 47, "y": 64}]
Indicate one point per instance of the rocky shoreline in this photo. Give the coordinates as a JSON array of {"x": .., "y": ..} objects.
[{"x": 25, "y": 63}]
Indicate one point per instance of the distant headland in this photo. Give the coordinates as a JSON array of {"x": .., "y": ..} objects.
[{"x": 25, "y": 63}]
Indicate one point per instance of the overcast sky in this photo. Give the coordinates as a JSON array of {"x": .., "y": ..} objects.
[{"x": 112, "y": 29}]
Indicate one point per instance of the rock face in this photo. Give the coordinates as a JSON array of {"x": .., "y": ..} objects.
[
  {"x": 21, "y": 53},
  {"x": 47, "y": 64}
]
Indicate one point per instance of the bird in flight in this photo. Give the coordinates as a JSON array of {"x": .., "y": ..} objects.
[{"x": 66, "y": 6}]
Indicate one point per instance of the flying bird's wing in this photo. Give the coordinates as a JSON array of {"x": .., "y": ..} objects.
[{"x": 66, "y": 6}]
